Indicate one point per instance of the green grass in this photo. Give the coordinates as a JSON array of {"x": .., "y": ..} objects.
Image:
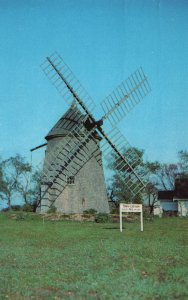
[{"x": 71, "y": 260}]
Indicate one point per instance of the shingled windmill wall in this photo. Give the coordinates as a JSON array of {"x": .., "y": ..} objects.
[{"x": 88, "y": 190}]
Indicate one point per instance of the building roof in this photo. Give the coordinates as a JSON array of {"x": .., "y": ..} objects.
[
  {"x": 166, "y": 195},
  {"x": 180, "y": 191},
  {"x": 181, "y": 188},
  {"x": 68, "y": 122}
]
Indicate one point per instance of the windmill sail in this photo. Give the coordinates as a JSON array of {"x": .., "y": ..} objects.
[
  {"x": 66, "y": 82},
  {"x": 125, "y": 97},
  {"x": 127, "y": 162}
]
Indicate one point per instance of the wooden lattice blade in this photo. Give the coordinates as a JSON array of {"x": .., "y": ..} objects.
[
  {"x": 125, "y": 97},
  {"x": 66, "y": 83},
  {"x": 127, "y": 163}
]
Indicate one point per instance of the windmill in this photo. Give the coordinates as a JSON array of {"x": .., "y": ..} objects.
[{"x": 73, "y": 179}]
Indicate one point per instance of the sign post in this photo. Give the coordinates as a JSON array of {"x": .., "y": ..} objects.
[{"x": 131, "y": 208}]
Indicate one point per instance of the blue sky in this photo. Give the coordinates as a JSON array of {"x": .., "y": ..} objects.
[{"x": 102, "y": 41}]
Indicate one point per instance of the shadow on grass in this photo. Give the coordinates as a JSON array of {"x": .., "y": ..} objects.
[{"x": 113, "y": 228}]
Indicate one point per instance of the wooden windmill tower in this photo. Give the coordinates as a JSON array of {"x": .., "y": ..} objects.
[
  {"x": 83, "y": 188},
  {"x": 73, "y": 179}
]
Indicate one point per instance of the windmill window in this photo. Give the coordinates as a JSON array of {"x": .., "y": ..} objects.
[{"x": 70, "y": 180}]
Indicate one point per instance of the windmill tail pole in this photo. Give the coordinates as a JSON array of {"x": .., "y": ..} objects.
[{"x": 33, "y": 149}]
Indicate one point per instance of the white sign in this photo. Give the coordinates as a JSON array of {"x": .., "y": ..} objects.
[{"x": 131, "y": 208}]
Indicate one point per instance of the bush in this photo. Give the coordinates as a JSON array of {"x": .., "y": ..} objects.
[
  {"x": 115, "y": 211},
  {"x": 6, "y": 209},
  {"x": 20, "y": 216},
  {"x": 16, "y": 207},
  {"x": 27, "y": 207},
  {"x": 102, "y": 218},
  {"x": 52, "y": 210},
  {"x": 90, "y": 211},
  {"x": 147, "y": 215}
]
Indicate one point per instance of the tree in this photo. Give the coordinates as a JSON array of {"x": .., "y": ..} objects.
[
  {"x": 183, "y": 162},
  {"x": 151, "y": 192},
  {"x": 23, "y": 171},
  {"x": 35, "y": 188},
  {"x": 162, "y": 176},
  {"x": 16, "y": 180},
  {"x": 122, "y": 173},
  {"x": 10, "y": 174},
  {"x": 3, "y": 186}
]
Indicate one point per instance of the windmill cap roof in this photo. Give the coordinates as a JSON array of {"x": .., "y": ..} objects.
[{"x": 67, "y": 123}]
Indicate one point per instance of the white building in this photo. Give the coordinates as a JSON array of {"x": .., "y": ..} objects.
[{"x": 175, "y": 201}]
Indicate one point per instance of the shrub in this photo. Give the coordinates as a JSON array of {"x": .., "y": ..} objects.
[
  {"x": 6, "y": 209},
  {"x": 27, "y": 207},
  {"x": 90, "y": 211},
  {"x": 102, "y": 218},
  {"x": 147, "y": 215},
  {"x": 115, "y": 210},
  {"x": 20, "y": 216},
  {"x": 16, "y": 207},
  {"x": 52, "y": 210}
]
